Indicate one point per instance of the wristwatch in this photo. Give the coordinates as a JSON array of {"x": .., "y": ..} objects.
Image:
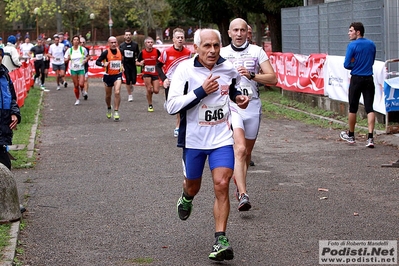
[{"x": 251, "y": 75}]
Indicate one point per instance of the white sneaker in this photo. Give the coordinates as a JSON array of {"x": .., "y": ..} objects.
[
  {"x": 130, "y": 99},
  {"x": 176, "y": 132},
  {"x": 344, "y": 136},
  {"x": 77, "y": 102},
  {"x": 58, "y": 88},
  {"x": 37, "y": 81},
  {"x": 370, "y": 143},
  {"x": 43, "y": 88}
]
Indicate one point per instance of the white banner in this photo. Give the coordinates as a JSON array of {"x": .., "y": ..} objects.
[
  {"x": 337, "y": 79},
  {"x": 391, "y": 89},
  {"x": 361, "y": 252}
]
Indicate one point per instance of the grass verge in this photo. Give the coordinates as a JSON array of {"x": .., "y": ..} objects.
[
  {"x": 277, "y": 106},
  {"x": 4, "y": 237},
  {"x": 23, "y": 132}
]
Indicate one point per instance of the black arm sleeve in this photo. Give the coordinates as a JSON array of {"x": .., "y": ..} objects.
[
  {"x": 233, "y": 92},
  {"x": 140, "y": 57},
  {"x": 101, "y": 58},
  {"x": 161, "y": 74}
]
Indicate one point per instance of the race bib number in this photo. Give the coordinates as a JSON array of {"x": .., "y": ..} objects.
[
  {"x": 76, "y": 66},
  {"x": 39, "y": 57},
  {"x": 246, "y": 90},
  {"x": 149, "y": 69},
  {"x": 213, "y": 115},
  {"x": 57, "y": 59},
  {"x": 128, "y": 54},
  {"x": 115, "y": 65}
]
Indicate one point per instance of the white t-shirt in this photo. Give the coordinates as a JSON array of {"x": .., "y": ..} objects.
[
  {"x": 251, "y": 58},
  {"x": 76, "y": 58},
  {"x": 25, "y": 49},
  {"x": 205, "y": 119},
  {"x": 57, "y": 51}
]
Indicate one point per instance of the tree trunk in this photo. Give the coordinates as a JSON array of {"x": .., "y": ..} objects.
[
  {"x": 274, "y": 21},
  {"x": 259, "y": 30},
  {"x": 58, "y": 16},
  {"x": 223, "y": 28}
]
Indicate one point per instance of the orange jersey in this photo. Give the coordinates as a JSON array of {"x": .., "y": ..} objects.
[{"x": 115, "y": 62}]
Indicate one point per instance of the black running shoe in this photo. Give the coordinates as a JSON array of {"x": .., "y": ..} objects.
[
  {"x": 221, "y": 250},
  {"x": 65, "y": 84},
  {"x": 184, "y": 208},
  {"x": 244, "y": 204}
]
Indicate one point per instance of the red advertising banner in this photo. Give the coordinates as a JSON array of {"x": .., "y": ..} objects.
[
  {"x": 22, "y": 80},
  {"x": 294, "y": 72},
  {"x": 299, "y": 73}
]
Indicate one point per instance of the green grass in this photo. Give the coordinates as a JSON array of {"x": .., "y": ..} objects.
[
  {"x": 4, "y": 237},
  {"x": 277, "y": 106},
  {"x": 23, "y": 132}
]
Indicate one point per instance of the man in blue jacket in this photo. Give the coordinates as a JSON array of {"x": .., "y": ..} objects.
[
  {"x": 10, "y": 115},
  {"x": 359, "y": 58}
]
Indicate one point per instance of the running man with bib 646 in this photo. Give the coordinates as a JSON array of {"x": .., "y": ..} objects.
[{"x": 200, "y": 91}]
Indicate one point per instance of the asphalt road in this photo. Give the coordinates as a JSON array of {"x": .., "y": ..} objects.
[{"x": 105, "y": 192}]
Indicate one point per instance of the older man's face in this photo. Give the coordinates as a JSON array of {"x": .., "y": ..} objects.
[
  {"x": 178, "y": 39},
  {"x": 112, "y": 43},
  {"x": 149, "y": 44},
  {"x": 209, "y": 49}
]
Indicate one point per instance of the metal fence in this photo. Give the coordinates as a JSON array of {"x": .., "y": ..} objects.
[{"x": 323, "y": 28}]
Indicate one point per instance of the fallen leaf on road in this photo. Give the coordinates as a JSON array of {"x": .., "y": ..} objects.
[
  {"x": 322, "y": 189},
  {"x": 355, "y": 214},
  {"x": 323, "y": 198}
]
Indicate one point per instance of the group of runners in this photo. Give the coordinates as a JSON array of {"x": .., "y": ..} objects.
[
  {"x": 61, "y": 54},
  {"x": 215, "y": 97},
  {"x": 124, "y": 59},
  {"x": 214, "y": 93},
  {"x": 41, "y": 53}
]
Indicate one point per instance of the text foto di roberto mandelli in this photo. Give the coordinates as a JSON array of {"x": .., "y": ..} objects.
[{"x": 358, "y": 251}]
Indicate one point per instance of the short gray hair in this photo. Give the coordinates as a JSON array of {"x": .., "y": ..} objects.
[
  {"x": 148, "y": 39},
  {"x": 197, "y": 36}
]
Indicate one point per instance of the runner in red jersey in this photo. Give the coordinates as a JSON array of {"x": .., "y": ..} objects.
[
  {"x": 168, "y": 61},
  {"x": 148, "y": 59}
]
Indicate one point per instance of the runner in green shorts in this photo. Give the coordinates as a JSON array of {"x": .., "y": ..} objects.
[{"x": 77, "y": 57}]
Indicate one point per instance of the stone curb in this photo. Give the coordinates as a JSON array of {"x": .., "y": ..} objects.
[{"x": 9, "y": 251}]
